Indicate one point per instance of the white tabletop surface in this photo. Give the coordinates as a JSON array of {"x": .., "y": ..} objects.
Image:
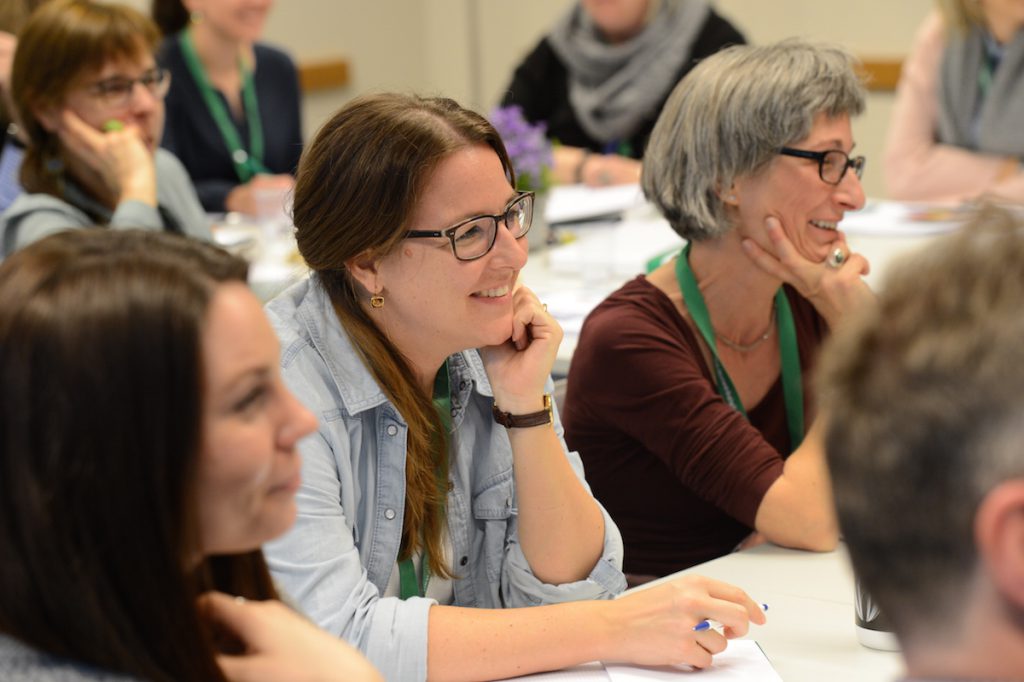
[{"x": 810, "y": 634}]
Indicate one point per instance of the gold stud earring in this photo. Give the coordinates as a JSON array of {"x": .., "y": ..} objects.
[{"x": 376, "y": 301}]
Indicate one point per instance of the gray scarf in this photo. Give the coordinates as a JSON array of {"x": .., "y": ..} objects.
[
  {"x": 612, "y": 88},
  {"x": 996, "y": 124}
]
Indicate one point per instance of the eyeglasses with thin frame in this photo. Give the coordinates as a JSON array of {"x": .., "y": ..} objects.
[
  {"x": 474, "y": 237},
  {"x": 117, "y": 91},
  {"x": 832, "y": 164}
]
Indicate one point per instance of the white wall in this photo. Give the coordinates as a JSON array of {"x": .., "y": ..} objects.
[{"x": 467, "y": 49}]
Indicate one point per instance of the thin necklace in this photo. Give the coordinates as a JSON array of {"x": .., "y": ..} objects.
[{"x": 747, "y": 347}]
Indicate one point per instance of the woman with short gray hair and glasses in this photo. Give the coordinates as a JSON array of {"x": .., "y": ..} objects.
[{"x": 688, "y": 393}]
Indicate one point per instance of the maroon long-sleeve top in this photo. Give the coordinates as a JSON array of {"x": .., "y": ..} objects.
[{"x": 680, "y": 471}]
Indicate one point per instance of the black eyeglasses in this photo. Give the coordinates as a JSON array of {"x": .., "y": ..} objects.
[
  {"x": 832, "y": 164},
  {"x": 474, "y": 237},
  {"x": 117, "y": 91}
]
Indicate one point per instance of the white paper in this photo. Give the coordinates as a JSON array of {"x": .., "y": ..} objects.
[
  {"x": 899, "y": 219},
  {"x": 570, "y": 203},
  {"x": 741, "y": 660}
]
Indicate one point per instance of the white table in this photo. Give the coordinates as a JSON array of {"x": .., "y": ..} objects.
[{"x": 810, "y": 634}]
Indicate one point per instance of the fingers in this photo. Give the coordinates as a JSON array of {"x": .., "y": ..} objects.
[
  {"x": 266, "y": 181},
  {"x": 78, "y": 135},
  {"x": 226, "y": 612},
  {"x": 765, "y": 260}
]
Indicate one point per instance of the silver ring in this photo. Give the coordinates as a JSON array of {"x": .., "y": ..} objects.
[{"x": 836, "y": 258}]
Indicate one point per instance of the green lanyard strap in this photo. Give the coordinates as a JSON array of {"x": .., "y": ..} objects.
[
  {"x": 247, "y": 163},
  {"x": 792, "y": 386},
  {"x": 409, "y": 586}
]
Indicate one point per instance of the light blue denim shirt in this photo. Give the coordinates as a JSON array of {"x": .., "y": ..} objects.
[{"x": 337, "y": 559}]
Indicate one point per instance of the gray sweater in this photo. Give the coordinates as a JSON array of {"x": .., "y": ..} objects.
[
  {"x": 34, "y": 216},
  {"x": 21, "y": 663}
]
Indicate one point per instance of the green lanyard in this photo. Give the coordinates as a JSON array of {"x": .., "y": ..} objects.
[
  {"x": 792, "y": 388},
  {"x": 247, "y": 163},
  {"x": 409, "y": 586}
]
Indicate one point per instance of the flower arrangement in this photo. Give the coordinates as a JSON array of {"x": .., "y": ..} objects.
[{"x": 528, "y": 148}]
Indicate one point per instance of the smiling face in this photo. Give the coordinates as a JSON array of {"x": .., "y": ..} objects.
[
  {"x": 233, "y": 20},
  {"x": 790, "y": 189},
  {"x": 436, "y": 305},
  {"x": 143, "y": 109},
  {"x": 248, "y": 469}
]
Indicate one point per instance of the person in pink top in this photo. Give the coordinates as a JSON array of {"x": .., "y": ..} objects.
[{"x": 956, "y": 130}]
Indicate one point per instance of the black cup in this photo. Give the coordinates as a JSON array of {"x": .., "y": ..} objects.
[{"x": 873, "y": 628}]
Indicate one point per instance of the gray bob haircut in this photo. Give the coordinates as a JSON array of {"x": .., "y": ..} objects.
[{"x": 728, "y": 117}]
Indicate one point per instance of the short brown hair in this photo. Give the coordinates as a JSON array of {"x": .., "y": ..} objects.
[
  {"x": 924, "y": 406},
  {"x": 62, "y": 40}
]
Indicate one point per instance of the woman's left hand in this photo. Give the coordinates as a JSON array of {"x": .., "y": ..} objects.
[
  {"x": 519, "y": 368},
  {"x": 834, "y": 291}
]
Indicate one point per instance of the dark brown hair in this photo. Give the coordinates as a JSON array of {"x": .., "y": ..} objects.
[
  {"x": 100, "y": 422},
  {"x": 170, "y": 16},
  {"x": 356, "y": 187},
  {"x": 61, "y": 41}
]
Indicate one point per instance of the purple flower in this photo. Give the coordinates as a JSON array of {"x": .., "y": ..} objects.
[{"x": 527, "y": 145}]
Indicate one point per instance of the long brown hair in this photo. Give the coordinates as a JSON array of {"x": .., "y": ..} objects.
[
  {"x": 356, "y": 187},
  {"x": 61, "y": 41},
  {"x": 100, "y": 424}
]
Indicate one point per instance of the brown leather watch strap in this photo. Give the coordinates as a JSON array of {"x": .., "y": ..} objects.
[{"x": 512, "y": 421}]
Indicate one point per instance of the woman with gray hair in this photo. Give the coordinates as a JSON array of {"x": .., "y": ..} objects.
[{"x": 688, "y": 392}]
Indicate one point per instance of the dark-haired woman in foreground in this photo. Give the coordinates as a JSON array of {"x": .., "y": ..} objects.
[{"x": 147, "y": 450}]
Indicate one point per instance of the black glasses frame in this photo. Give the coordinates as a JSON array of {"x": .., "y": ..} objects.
[
  {"x": 156, "y": 80},
  {"x": 856, "y": 162},
  {"x": 504, "y": 217}
]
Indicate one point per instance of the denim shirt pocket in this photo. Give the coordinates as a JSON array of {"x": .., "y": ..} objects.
[{"x": 492, "y": 509}]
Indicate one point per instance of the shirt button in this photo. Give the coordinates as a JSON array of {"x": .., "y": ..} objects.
[
  {"x": 463, "y": 561},
  {"x": 462, "y": 385},
  {"x": 392, "y": 429},
  {"x": 389, "y": 514},
  {"x": 451, "y": 486},
  {"x": 454, "y": 412}
]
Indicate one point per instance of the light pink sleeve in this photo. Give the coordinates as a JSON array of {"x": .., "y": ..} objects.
[{"x": 918, "y": 168}]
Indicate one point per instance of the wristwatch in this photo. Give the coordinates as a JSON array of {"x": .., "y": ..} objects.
[{"x": 513, "y": 421}]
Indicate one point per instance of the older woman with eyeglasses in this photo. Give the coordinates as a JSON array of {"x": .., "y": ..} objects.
[
  {"x": 90, "y": 97},
  {"x": 688, "y": 395},
  {"x": 439, "y": 479}
]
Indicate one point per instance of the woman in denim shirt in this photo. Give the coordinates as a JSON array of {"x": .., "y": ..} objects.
[{"x": 416, "y": 499}]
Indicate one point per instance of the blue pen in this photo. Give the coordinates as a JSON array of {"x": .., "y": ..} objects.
[{"x": 714, "y": 624}]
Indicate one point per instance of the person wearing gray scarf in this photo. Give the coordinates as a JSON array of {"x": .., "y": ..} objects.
[
  {"x": 956, "y": 130},
  {"x": 600, "y": 78}
]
